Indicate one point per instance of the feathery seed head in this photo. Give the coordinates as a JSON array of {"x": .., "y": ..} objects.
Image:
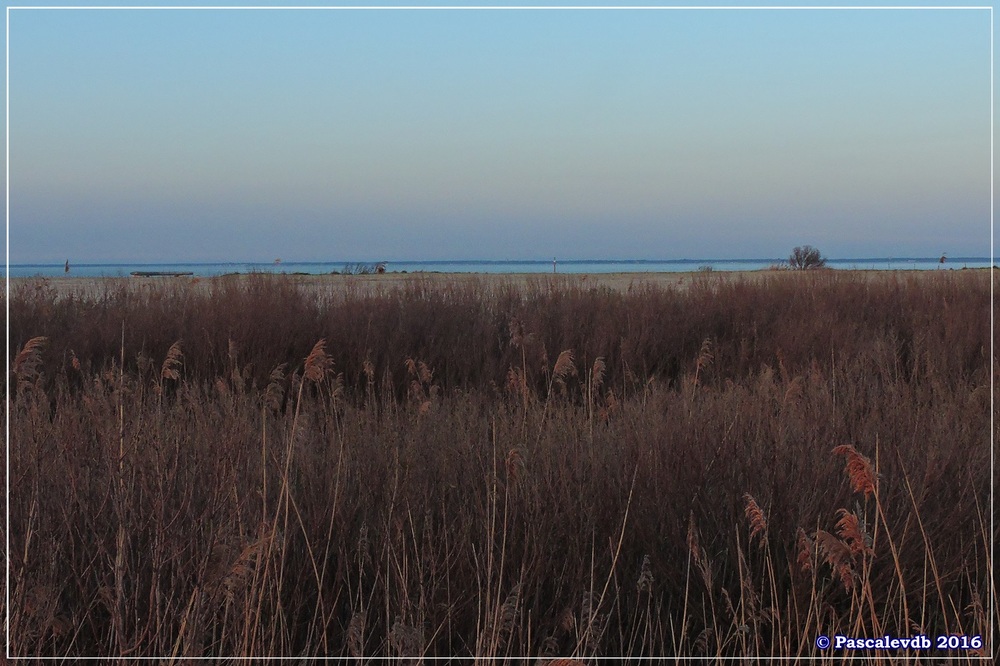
[
  {"x": 758, "y": 521},
  {"x": 318, "y": 363},
  {"x": 169, "y": 369},
  {"x": 859, "y": 469}
]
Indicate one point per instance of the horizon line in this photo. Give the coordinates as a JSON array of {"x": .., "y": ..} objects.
[{"x": 493, "y": 261}]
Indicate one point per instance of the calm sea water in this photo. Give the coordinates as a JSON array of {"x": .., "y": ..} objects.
[{"x": 494, "y": 267}]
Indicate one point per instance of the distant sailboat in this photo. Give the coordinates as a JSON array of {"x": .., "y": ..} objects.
[{"x": 66, "y": 269}]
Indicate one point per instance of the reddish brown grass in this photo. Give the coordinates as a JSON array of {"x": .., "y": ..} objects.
[{"x": 442, "y": 494}]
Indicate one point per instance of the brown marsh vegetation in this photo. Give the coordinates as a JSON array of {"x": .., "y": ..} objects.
[{"x": 508, "y": 472}]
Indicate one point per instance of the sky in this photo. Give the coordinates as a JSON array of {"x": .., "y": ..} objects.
[{"x": 381, "y": 135}]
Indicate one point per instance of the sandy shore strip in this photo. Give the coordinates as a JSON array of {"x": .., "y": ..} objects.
[{"x": 91, "y": 286}]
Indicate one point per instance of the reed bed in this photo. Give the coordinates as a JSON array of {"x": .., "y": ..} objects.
[{"x": 501, "y": 473}]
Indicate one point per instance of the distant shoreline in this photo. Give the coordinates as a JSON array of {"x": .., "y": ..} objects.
[
  {"x": 623, "y": 281},
  {"x": 534, "y": 267}
]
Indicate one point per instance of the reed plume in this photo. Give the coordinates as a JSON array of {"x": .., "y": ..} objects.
[
  {"x": 564, "y": 365},
  {"x": 514, "y": 465},
  {"x": 515, "y": 381},
  {"x": 28, "y": 359},
  {"x": 758, "y": 521},
  {"x": 705, "y": 358},
  {"x": 420, "y": 371},
  {"x": 29, "y": 354},
  {"x": 405, "y": 639},
  {"x": 645, "y": 582},
  {"x": 597, "y": 374},
  {"x": 794, "y": 391},
  {"x": 705, "y": 355},
  {"x": 516, "y": 333},
  {"x": 369, "y": 369},
  {"x": 509, "y": 612},
  {"x": 838, "y": 555},
  {"x": 850, "y": 529},
  {"x": 356, "y": 635},
  {"x": 169, "y": 369},
  {"x": 274, "y": 395},
  {"x": 698, "y": 554},
  {"x": 806, "y": 551},
  {"x": 318, "y": 363},
  {"x": 859, "y": 470}
]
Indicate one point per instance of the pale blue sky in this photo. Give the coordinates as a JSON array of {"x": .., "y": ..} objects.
[{"x": 388, "y": 135}]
